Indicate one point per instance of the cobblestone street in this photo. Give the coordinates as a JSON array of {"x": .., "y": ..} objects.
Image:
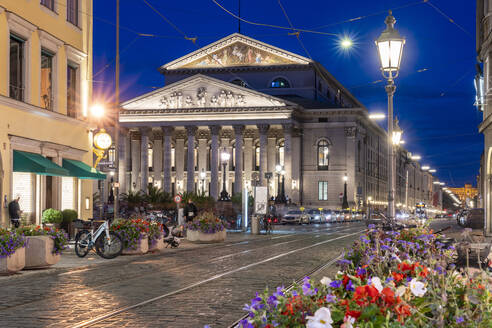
[{"x": 188, "y": 287}]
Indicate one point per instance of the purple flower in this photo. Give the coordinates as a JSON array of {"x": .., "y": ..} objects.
[
  {"x": 336, "y": 284},
  {"x": 306, "y": 289},
  {"x": 272, "y": 301},
  {"x": 350, "y": 286},
  {"x": 344, "y": 262},
  {"x": 371, "y": 226},
  {"x": 331, "y": 298},
  {"x": 460, "y": 319},
  {"x": 389, "y": 279}
]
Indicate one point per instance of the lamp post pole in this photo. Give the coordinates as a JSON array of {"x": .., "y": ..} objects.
[
  {"x": 345, "y": 201},
  {"x": 224, "y": 196},
  {"x": 390, "y": 90},
  {"x": 117, "y": 120}
]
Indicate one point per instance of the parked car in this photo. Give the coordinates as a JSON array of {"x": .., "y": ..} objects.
[
  {"x": 295, "y": 216},
  {"x": 337, "y": 216},
  {"x": 315, "y": 216},
  {"x": 475, "y": 218},
  {"x": 329, "y": 216},
  {"x": 346, "y": 216}
]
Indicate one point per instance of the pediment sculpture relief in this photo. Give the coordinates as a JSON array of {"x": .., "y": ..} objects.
[{"x": 222, "y": 98}]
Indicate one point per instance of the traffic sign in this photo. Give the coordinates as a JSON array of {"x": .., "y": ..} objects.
[
  {"x": 177, "y": 199},
  {"x": 341, "y": 195}
]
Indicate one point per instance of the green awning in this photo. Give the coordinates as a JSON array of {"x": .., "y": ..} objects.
[
  {"x": 81, "y": 170},
  {"x": 35, "y": 163}
]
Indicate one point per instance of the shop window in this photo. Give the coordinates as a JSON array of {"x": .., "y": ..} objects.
[
  {"x": 16, "y": 74},
  {"x": 68, "y": 196},
  {"x": 23, "y": 186}
]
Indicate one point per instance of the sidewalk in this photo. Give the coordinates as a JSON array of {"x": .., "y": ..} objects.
[{"x": 70, "y": 262}]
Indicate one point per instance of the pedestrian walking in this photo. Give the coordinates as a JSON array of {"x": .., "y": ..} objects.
[
  {"x": 15, "y": 211},
  {"x": 190, "y": 211}
]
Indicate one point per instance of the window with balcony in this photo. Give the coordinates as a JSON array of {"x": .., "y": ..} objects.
[
  {"x": 46, "y": 80},
  {"x": 16, "y": 87}
]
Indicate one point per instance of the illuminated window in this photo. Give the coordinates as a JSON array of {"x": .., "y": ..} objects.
[
  {"x": 47, "y": 80},
  {"x": 323, "y": 155},
  {"x": 173, "y": 159},
  {"x": 150, "y": 156},
  {"x": 111, "y": 155},
  {"x": 322, "y": 190},
  {"x": 280, "y": 83},
  {"x": 257, "y": 158}
]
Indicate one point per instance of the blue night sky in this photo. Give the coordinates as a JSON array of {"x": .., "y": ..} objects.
[{"x": 435, "y": 93}]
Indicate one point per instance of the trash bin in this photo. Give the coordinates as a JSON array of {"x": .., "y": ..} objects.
[{"x": 255, "y": 225}]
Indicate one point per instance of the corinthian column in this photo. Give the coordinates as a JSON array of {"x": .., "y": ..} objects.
[
  {"x": 214, "y": 161},
  {"x": 190, "y": 178},
  {"x": 167, "y": 132},
  {"x": 144, "y": 158},
  {"x": 238, "y": 174},
  {"x": 263, "y": 129}
]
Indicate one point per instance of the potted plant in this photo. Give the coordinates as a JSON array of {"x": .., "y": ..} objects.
[
  {"x": 67, "y": 222},
  {"x": 206, "y": 228},
  {"x": 156, "y": 236},
  {"x": 12, "y": 251},
  {"x": 134, "y": 234},
  {"x": 52, "y": 217},
  {"x": 44, "y": 245}
]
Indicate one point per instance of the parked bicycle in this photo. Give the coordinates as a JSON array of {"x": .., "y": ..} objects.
[
  {"x": 108, "y": 244},
  {"x": 267, "y": 224}
]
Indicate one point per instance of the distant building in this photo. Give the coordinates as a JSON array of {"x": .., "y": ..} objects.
[
  {"x": 465, "y": 194},
  {"x": 45, "y": 87},
  {"x": 264, "y": 106}
]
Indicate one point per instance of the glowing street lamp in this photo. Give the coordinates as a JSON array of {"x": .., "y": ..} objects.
[
  {"x": 390, "y": 49},
  {"x": 203, "y": 175},
  {"x": 97, "y": 111},
  {"x": 425, "y": 167},
  {"x": 416, "y": 158},
  {"x": 344, "y": 201},
  {"x": 224, "y": 156},
  {"x": 377, "y": 116},
  {"x": 346, "y": 43},
  {"x": 432, "y": 170}
]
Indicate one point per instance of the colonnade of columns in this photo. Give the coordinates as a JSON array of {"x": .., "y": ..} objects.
[{"x": 176, "y": 178}]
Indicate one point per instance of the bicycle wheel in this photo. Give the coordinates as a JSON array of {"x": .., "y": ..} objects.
[
  {"x": 109, "y": 249},
  {"x": 82, "y": 242}
]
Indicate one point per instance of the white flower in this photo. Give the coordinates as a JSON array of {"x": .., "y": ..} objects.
[
  {"x": 326, "y": 281},
  {"x": 321, "y": 319},
  {"x": 376, "y": 283},
  {"x": 347, "y": 322},
  {"x": 417, "y": 287},
  {"x": 400, "y": 291}
]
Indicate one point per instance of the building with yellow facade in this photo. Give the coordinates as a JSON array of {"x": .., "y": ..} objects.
[
  {"x": 45, "y": 89},
  {"x": 465, "y": 193}
]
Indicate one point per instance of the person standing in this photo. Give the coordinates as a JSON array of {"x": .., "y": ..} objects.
[
  {"x": 190, "y": 211},
  {"x": 15, "y": 211}
]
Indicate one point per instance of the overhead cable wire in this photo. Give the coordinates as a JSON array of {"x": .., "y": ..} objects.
[
  {"x": 293, "y": 29},
  {"x": 370, "y": 15},
  {"x": 269, "y": 25},
  {"x": 452, "y": 21}
]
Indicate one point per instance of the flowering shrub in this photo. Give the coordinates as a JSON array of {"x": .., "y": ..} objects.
[
  {"x": 206, "y": 222},
  {"x": 59, "y": 237},
  {"x": 156, "y": 231},
  {"x": 10, "y": 242},
  {"x": 387, "y": 279},
  {"x": 131, "y": 231}
]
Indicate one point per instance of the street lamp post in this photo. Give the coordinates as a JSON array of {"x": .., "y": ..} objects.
[
  {"x": 390, "y": 48},
  {"x": 202, "y": 177},
  {"x": 344, "y": 201},
  {"x": 224, "y": 156}
]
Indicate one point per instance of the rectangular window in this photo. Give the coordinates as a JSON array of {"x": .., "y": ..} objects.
[
  {"x": 322, "y": 190},
  {"x": 16, "y": 68},
  {"x": 50, "y": 4},
  {"x": 72, "y": 12},
  {"x": 68, "y": 193},
  {"x": 46, "y": 80},
  {"x": 22, "y": 184},
  {"x": 72, "y": 91},
  {"x": 173, "y": 159}
]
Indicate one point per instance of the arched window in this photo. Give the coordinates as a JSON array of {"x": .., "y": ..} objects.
[
  {"x": 239, "y": 82},
  {"x": 281, "y": 153},
  {"x": 323, "y": 155},
  {"x": 280, "y": 82}
]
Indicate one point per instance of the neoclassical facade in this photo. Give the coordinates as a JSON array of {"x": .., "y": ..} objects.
[{"x": 265, "y": 107}]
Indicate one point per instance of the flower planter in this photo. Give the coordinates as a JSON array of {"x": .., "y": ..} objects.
[
  {"x": 201, "y": 237},
  {"x": 39, "y": 252},
  {"x": 142, "y": 248},
  {"x": 156, "y": 245},
  {"x": 15, "y": 262}
]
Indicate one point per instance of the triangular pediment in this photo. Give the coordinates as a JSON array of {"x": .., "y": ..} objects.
[
  {"x": 236, "y": 50},
  {"x": 200, "y": 91}
]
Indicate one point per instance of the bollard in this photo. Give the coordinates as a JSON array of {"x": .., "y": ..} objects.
[{"x": 255, "y": 225}]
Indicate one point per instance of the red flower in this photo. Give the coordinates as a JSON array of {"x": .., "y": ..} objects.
[
  {"x": 388, "y": 296},
  {"x": 403, "y": 310},
  {"x": 406, "y": 267},
  {"x": 353, "y": 314},
  {"x": 365, "y": 294},
  {"x": 398, "y": 276},
  {"x": 345, "y": 280}
]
